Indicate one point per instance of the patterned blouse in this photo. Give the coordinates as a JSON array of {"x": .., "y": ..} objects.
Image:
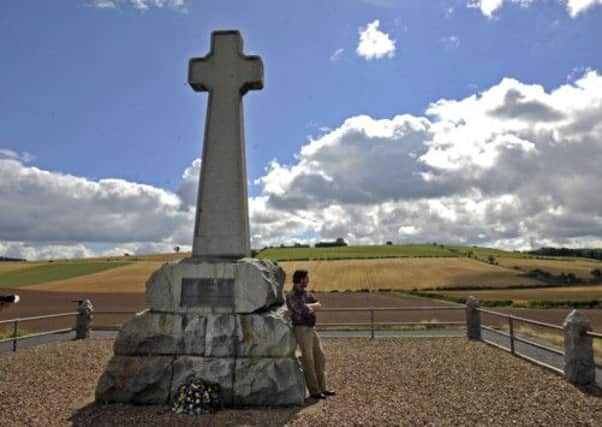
[{"x": 296, "y": 301}]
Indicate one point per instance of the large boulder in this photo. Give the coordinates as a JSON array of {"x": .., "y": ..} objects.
[
  {"x": 244, "y": 286},
  {"x": 150, "y": 333},
  {"x": 268, "y": 334},
  {"x": 194, "y": 335},
  {"x": 268, "y": 382},
  {"x": 223, "y": 335},
  {"x": 136, "y": 379}
]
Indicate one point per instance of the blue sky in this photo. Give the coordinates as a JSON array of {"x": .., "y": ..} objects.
[{"x": 98, "y": 126}]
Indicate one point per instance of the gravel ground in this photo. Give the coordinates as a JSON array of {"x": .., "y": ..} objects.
[{"x": 388, "y": 381}]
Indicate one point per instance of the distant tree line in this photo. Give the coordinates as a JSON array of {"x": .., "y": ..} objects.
[
  {"x": 582, "y": 253},
  {"x": 5, "y": 258}
]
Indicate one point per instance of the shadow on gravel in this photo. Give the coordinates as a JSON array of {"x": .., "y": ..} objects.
[
  {"x": 96, "y": 414},
  {"x": 591, "y": 390}
]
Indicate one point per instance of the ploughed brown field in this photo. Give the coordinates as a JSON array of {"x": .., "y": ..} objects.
[
  {"x": 572, "y": 293},
  {"x": 35, "y": 303}
]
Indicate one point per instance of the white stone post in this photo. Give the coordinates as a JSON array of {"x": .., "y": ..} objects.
[
  {"x": 83, "y": 322},
  {"x": 579, "y": 367},
  {"x": 473, "y": 319}
]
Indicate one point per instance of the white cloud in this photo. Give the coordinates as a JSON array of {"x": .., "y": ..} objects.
[
  {"x": 178, "y": 5},
  {"x": 514, "y": 165},
  {"x": 490, "y": 7},
  {"x": 576, "y": 7},
  {"x": 487, "y": 7},
  {"x": 44, "y": 206},
  {"x": 24, "y": 157},
  {"x": 373, "y": 43},
  {"x": 337, "y": 55},
  {"x": 104, "y": 4}
]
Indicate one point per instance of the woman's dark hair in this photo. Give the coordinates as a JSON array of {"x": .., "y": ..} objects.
[{"x": 299, "y": 275}]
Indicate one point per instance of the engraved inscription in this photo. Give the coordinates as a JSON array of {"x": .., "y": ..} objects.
[{"x": 207, "y": 292}]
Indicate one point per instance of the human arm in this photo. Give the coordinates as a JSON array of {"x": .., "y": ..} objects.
[{"x": 314, "y": 306}]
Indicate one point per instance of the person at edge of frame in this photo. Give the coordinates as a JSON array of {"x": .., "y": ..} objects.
[{"x": 303, "y": 307}]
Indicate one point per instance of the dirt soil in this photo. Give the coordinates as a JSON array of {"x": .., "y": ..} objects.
[
  {"x": 36, "y": 303},
  {"x": 387, "y": 381}
]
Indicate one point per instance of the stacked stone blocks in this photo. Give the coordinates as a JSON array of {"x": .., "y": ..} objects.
[{"x": 248, "y": 348}]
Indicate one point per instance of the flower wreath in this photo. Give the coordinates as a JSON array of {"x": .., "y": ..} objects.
[{"x": 197, "y": 396}]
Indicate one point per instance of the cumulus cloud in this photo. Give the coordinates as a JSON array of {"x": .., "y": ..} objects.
[
  {"x": 490, "y": 7},
  {"x": 45, "y": 206},
  {"x": 513, "y": 165},
  {"x": 576, "y": 7},
  {"x": 373, "y": 43},
  {"x": 188, "y": 188}
]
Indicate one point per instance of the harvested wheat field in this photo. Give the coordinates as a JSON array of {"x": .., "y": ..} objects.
[
  {"x": 426, "y": 381},
  {"x": 7, "y": 266},
  {"x": 580, "y": 268},
  {"x": 129, "y": 278},
  {"x": 405, "y": 273}
]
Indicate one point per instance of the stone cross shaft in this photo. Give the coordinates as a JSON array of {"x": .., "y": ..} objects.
[{"x": 221, "y": 227}]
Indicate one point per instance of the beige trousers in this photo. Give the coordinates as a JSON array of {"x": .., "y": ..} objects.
[{"x": 312, "y": 357}]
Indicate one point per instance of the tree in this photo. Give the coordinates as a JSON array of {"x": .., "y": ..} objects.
[
  {"x": 491, "y": 259},
  {"x": 176, "y": 249}
]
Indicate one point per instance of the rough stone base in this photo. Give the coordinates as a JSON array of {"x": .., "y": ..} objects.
[
  {"x": 249, "y": 351},
  {"x": 259, "y": 381}
]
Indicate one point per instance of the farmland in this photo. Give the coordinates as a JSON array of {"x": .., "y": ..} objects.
[
  {"x": 128, "y": 278},
  {"x": 404, "y": 273},
  {"x": 580, "y": 268},
  {"x": 518, "y": 296},
  {"x": 41, "y": 273},
  {"x": 356, "y": 252}
]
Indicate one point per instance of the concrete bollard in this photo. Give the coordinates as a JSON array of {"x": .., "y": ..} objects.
[
  {"x": 579, "y": 367},
  {"x": 83, "y": 322},
  {"x": 473, "y": 319}
]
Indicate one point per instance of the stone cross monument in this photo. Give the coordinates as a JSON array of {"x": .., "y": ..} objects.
[
  {"x": 219, "y": 315},
  {"x": 222, "y": 219}
]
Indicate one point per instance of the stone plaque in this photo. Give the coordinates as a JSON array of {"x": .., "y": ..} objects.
[{"x": 207, "y": 292}]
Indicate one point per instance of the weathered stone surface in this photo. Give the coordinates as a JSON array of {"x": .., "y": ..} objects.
[
  {"x": 579, "y": 366},
  {"x": 150, "y": 333},
  {"x": 224, "y": 335},
  {"x": 268, "y": 382},
  {"x": 136, "y": 379},
  {"x": 164, "y": 288},
  {"x": 194, "y": 335},
  {"x": 258, "y": 285},
  {"x": 214, "y": 370},
  {"x": 473, "y": 319},
  {"x": 267, "y": 334},
  {"x": 222, "y": 215}
]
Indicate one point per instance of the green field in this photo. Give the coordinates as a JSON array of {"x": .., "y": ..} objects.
[
  {"x": 355, "y": 252},
  {"x": 484, "y": 252},
  {"x": 53, "y": 271}
]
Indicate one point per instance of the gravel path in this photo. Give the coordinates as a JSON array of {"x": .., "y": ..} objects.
[{"x": 387, "y": 381}]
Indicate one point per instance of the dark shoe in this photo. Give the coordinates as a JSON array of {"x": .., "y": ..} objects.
[
  {"x": 329, "y": 393},
  {"x": 318, "y": 396}
]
